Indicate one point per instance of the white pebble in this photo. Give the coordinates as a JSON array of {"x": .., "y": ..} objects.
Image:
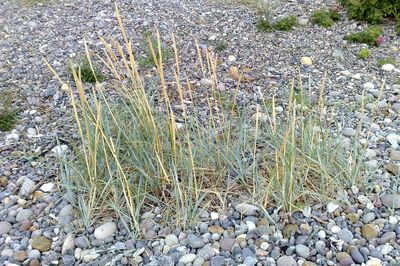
[{"x": 388, "y": 67}]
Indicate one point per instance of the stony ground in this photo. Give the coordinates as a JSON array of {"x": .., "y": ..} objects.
[{"x": 37, "y": 218}]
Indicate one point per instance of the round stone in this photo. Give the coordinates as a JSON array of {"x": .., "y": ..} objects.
[
  {"x": 345, "y": 235},
  {"x": 5, "y": 227},
  {"x": 41, "y": 243},
  {"x": 369, "y": 231},
  {"x": 388, "y": 67},
  {"x": 305, "y": 60},
  {"x": 24, "y": 214},
  {"x": 188, "y": 258},
  {"x": 302, "y": 251},
  {"x": 105, "y": 230},
  {"x": 286, "y": 261},
  {"x": 171, "y": 240}
]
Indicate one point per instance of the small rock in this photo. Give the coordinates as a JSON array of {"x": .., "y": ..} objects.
[
  {"x": 28, "y": 186},
  {"x": 302, "y": 251},
  {"x": 227, "y": 244},
  {"x": 369, "y": 231},
  {"x": 289, "y": 230},
  {"x": 105, "y": 230},
  {"x": 217, "y": 261},
  {"x": 188, "y": 258},
  {"x": 345, "y": 235},
  {"x": 216, "y": 229},
  {"x": 395, "y": 155},
  {"x": 208, "y": 83},
  {"x": 41, "y": 243},
  {"x": 391, "y": 201},
  {"x": 60, "y": 150},
  {"x": 246, "y": 209},
  {"x": 349, "y": 132},
  {"x": 48, "y": 187},
  {"x": 356, "y": 255},
  {"x": 5, "y": 227},
  {"x": 305, "y": 60},
  {"x": 20, "y": 255},
  {"x": 171, "y": 240},
  {"x": 89, "y": 255},
  {"x": 393, "y": 168},
  {"x": 386, "y": 237},
  {"x": 286, "y": 261},
  {"x": 388, "y": 67},
  {"x": 23, "y": 215},
  {"x": 373, "y": 262},
  {"x": 68, "y": 244},
  {"x": 231, "y": 58}
]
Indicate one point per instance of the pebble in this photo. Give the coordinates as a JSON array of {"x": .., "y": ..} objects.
[
  {"x": 369, "y": 231},
  {"x": 388, "y": 67},
  {"x": 286, "y": 261},
  {"x": 171, "y": 240},
  {"x": 41, "y": 243},
  {"x": 24, "y": 214},
  {"x": 345, "y": 235},
  {"x": 5, "y": 227},
  {"x": 188, "y": 258},
  {"x": 246, "y": 209},
  {"x": 307, "y": 61},
  {"x": 391, "y": 201},
  {"x": 105, "y": 230},
  {"x": 302, "y": 251}
]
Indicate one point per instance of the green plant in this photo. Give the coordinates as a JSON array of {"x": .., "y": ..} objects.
[
  {"x": 368, "y": 36},
  {"x": 134, "y": 155},
  {"x": 8, "y": 114},
  {"x": 221, "y": 46},
  {"x": 372, "y": 11},
  {"x": 286, "y": 23},
  {"x": 264, "y": 24},
  {"x": 397, "y": 28},
  {"x": 386, "y": 60},
  {"x": 325, "y": 18},
  {"x": 364, "y": 53},
  {"x": 87, "y": 69},
  {"x": 146, "y": 60}
]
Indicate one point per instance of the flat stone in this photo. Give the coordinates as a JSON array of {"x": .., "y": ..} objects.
[
  {"x": 216, "y": 229},
  {"x": 386, "y": 237},
  {"x": 188, "y": 258},
  {"x": 356, "y": 255},
  {"x": 217, "y": 261},
  {"x": 246, "y": 209},
  {"x": 68, "y": 244},
  {"x": 391, "y": 201},
  {"x": 24, "y": 214},
  {"x": 5, "y": 227},
  {"x": 388, "y": 67},
  {"x": 227, "y": 244},
  {"x": 41, "y": 243},
  {"x": 393, "y": 168},
  {"x": 286, "y": 261},
  {"x": 344, "y": 259},
  {"x": 395, "y": 155},
  {"x": 105, "y": 230}
]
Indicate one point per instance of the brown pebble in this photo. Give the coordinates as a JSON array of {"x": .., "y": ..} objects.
[
  {"x": 34, "y": 262},
  {"x": 25, "y": 225},
  {"x": 20, "y": 255}
]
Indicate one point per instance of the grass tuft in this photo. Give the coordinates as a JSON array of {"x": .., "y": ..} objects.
[
  {"x": 364, "y": 53},
  {"x": 87, "y": 70},
  {"x": 285, "y": 24},
  {"x": 325, "y": 18},
  {"x": 368, "y": 36},
  {"x": 137, "y": 153},
  {"x": 8, "y": 114},
  {"x": 386, "y": 60}
]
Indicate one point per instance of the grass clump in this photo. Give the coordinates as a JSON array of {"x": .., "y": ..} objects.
[
  {"x": 368, "y": 36},
  {"x": 325, "y": 18},
  {"x": 364, "y": 53},
  {"x": 285, "y": 24},
  {"x": 221, "y": 46},
  {"x": 134, "y": 154},
  {"x": 8, "y": 114},
  {"x": 397, "y": 28},
  {"x": 87, "y": 70},
  {"x": 386, "y": 60},
  {"x": 146, "y": 60}
]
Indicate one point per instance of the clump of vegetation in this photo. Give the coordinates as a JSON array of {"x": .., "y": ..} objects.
[
  {"x": 364, "y": 53},
  {"x": 221, "y": 46},
  {"x": 397, "y": 29},
  {"x": 368, "y": 36},
  {"x": 284, "y": 24},
  {"x": 87, "y": 70},
  {"x": 325, "y": 18},
  {"x": 8, "y": 114},
  {"x": 147, "y": 60},
  {"x": 133, "y": 155},
  {"x": 372, "y": 11},
  {"x": 386, "y": 60}
]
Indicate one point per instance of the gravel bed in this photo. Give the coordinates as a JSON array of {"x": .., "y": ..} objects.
[{"x": 37, "y": 221}]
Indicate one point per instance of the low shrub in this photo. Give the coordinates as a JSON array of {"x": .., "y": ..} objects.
[
  {"x": 372, "y": 11},
  {"x": 364, "y": 53},
  {"x": 368, "y": 36},
  {"x": 325, "y": 18},
  {"x": 221, "y": 46},
  {"x": 284, "y": 24}
]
